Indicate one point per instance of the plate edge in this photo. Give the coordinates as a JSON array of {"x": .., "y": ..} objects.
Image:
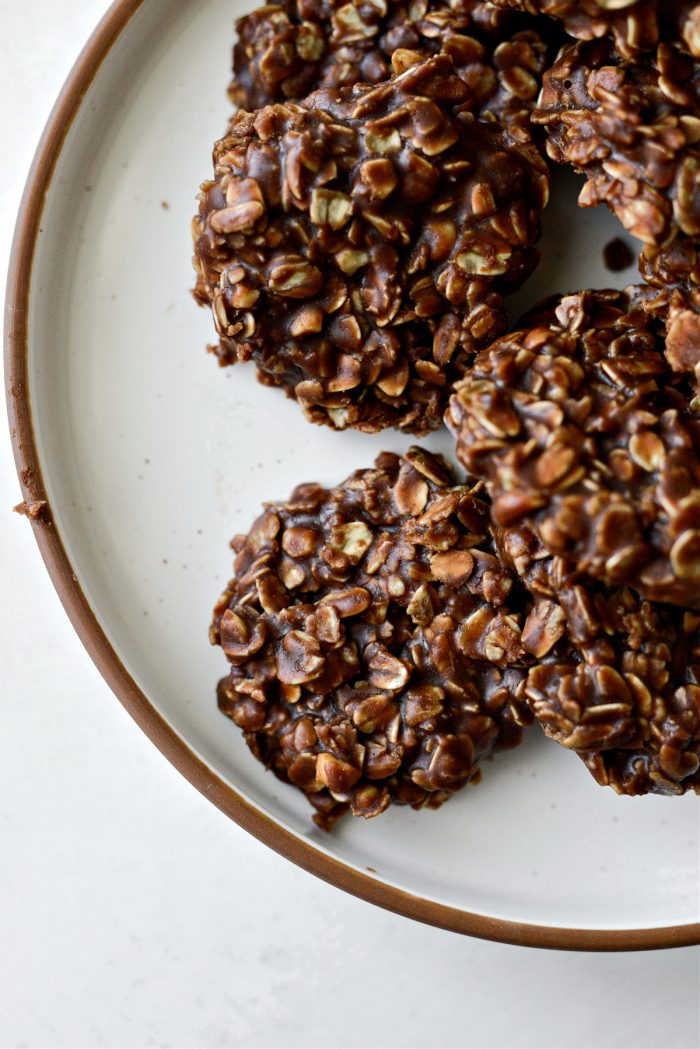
[{"x": 104, "y": 656}]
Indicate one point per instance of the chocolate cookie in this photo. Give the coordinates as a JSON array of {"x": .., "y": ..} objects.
[
  {"x": 583, "y": 433},
  {"x": 374, "y": 639},
  {"x": 633, "y": 127},
  {"x": 624, "y": 690},
  {"x": 633, "y": 25},
  {"x": 286, "y": 50},
  {"x": 357, "y": 246},
  {"x": 616, "y": 678}
]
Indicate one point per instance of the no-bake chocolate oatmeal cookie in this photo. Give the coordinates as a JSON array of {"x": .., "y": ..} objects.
[
  {"x": 616, "y": 677},
  {"x": 357, "y": 246},
  {"x": 583, "y": 433},
  {"x": 624, "y": 690},
  {"x": 633, "y": 127},
  {"x": 374, "y": 639},
  {"x": 286, "y": 50}
]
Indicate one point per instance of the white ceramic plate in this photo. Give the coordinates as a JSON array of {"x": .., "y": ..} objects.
[{"x": 152, "y": 457}]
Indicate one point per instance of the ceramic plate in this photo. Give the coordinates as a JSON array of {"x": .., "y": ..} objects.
[{"x": 151, "y": 457}]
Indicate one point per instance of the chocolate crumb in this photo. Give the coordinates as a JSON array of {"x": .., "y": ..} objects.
[
  {"x": 32, "y": 510},
  {"x": 617, "y": 255}
]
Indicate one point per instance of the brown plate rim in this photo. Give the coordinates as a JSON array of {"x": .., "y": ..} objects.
[{"x": 106, "y": 659}]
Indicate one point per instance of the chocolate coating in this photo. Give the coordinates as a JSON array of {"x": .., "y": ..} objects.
[
  {"x": 678, "y": 312},
  {"x": 634, "y": 26}
]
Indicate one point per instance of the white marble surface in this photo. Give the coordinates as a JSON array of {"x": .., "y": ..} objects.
[{"x": 132, "y": 913}]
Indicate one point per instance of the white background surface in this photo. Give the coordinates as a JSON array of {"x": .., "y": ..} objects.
[{"x": 132, "y": 913}]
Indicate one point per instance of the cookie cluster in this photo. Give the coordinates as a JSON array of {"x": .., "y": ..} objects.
[{"x": 375, "y": 198}]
